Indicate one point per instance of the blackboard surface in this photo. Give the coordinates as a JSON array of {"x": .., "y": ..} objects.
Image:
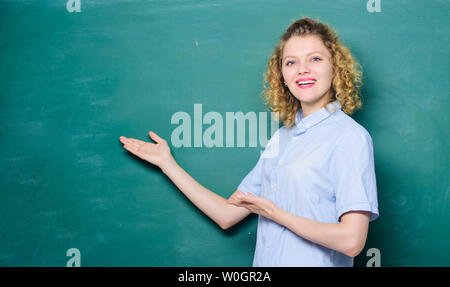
[{"x": 72, "y": 82}]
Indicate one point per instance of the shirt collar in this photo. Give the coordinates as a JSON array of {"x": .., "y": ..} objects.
[{"x": 303, "y": 124}]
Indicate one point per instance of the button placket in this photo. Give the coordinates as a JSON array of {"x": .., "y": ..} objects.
[{"x": 273, "y": 181}]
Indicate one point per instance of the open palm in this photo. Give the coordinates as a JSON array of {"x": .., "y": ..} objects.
[{"x": 156, "y": 154}]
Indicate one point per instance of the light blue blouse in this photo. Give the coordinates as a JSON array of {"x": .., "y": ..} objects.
[{"x": 320, "y": 168}]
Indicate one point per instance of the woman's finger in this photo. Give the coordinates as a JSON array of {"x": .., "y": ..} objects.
[
  {"x": 239, "y": 203},
  {"x": 235, "y": 203},
  {"x": 155, "y": 137},
  {"x": 133, "y": 150},
  {"x": 125, "y": 140},
  {"x": 245, "y": 198},
  {"x": 233, "y": 200},
  {"x": 133, "y": 142},
  {"x": 138, "y": 144},
  {"x": 128, "y": 148}
]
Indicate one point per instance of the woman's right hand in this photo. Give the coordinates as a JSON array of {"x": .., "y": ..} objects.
[{"x": 157, "y": 154}]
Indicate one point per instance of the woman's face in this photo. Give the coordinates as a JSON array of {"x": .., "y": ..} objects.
[{"x": 307, "y": 71}]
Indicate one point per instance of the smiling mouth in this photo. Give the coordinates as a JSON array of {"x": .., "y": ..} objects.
[{"x": 305, "y": 84}]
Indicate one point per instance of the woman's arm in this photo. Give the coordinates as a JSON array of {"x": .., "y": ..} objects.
[
  {"x": 214, "y": 206},
  {"x": 348, "y": 236}
]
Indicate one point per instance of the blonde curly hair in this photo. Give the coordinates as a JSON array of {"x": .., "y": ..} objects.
[{"x": 346, "y": 82}]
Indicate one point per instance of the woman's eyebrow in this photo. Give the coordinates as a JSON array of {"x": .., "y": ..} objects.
[{"x": 313, "y": 52}]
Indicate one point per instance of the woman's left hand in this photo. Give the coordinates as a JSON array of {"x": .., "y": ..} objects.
[{"x": 255, "y": 204}]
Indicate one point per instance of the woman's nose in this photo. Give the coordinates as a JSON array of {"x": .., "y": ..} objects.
[{"x": 302, "y": 68}]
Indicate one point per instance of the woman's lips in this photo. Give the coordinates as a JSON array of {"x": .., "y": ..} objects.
[
  {"x": 306, "y": 86},
  {"x": 305, "y": 83}
]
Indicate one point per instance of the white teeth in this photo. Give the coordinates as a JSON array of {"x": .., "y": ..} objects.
[{"x": 305, "y": 82}]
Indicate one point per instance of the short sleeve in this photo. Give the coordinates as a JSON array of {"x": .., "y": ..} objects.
[
  {"x": 253, "y": 180},
  {"x": 353, "y": 174}
]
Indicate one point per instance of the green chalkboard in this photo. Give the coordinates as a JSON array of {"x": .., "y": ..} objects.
[{"x": 75, "y": 79}]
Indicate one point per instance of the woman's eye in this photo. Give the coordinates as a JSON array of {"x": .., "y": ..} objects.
[
  {"x": 288, "y": 63},
  {"x": 318, "y": 59}
]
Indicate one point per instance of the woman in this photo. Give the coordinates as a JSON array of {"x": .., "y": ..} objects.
[{"x": 316, "y": 195}]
